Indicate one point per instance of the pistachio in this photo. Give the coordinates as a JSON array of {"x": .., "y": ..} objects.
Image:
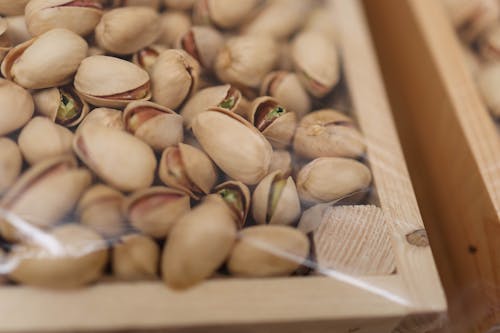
[
  {"x": 488, "y": 80},
  {"x": 105, "y": 117},
  {"x": 62, "y": 105},
  {"x": 188, "y": 169},
  {"x": 118, "y": 158},
  {"x": 154, "y": 124},
  {"x": 328, "y": 133},
  {"x": 17, "y": 31},
  {"x": 33, "y": 200},
  {"x": 146, "y": 57},
  {"x": 287, "y": 89},
  {"x": 135, "y": 257},
  {"x": 471, "y": 60},
  {"x": 12, "y": 7},
  {"x": 155, "y": 4},
  {"x": 16, "y": 107},
  {"x": 5, "y": 42},
  {"x": 322, "y": 21},
  {"x": 202, "y": 43},
  {"x": 76, "y": 256},
  {"x": 226, "y": 96},
  {"x": 111, "y": 82},
  {"x": 175, "y": 78},
  {"x": 275, "y": 200},
  {"x": 142, "y": 29},
  {"x": 223, "y": 13},
  {"x": 156, "y": 210},
  {"x": 41, "y": 139},
  {"x": 346, "y": 178},
  {"x": 79, "y": 16},
  {"x": 179, "y": 4},
  {"x": 245, "y": 60},
  {"x": 199, "y": 243},
  {"x": 100, "y": 209},
  {"x": 234, "y": 144},
  {"x": 173, "y": 25},
  {"x": 268, "y": 250},
  {"x": 237, "y": 197},
  {"x": 281, "y": 160},
  {"x": 95, "y": 50},
  {"x": 32, "y": 67},
  {"x": 489, "y": 43},
  {"x": 11, "y": 162},
  {"x": 274, "y": 121},
  {"x": 316, "y": 62}
]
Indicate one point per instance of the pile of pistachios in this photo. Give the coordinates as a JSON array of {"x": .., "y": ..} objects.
[
  {"x": 180, "y": 139},
  {"x": 478, "y": 24}
]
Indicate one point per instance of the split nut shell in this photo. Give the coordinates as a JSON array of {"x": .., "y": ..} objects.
[{"x": 135, "y": 257}]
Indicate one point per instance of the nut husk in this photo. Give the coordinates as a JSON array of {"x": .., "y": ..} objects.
[
  {"x": 234, "y": 144},
  {"x": 223, "y": 13},
  {"x": 237, "y": 197},
  {"x": 17, "y": 31},
  {"x": 41, "y": 139},
  {"x": 198, "y": 244},
  {"x": 268, "y": 250},
  {"x": 488, "y": 79},
  {"x": 202, "y": 43},
  {"x": 135, "y": 257},
  {"x": 146, "y": 57},
  {"x": 281, "y": 161},
  {"x": 75, "y": 256},
  {"x": 11, "y": 162},
  {"x": 156, "y": 210},
  {"x": 105, "y": 117},
  {"x": 12, "y": 7},
  {"x": 14, "y": 97},
  {"x": 173, "y": 25},
  {"x": 118, "y": 158}
]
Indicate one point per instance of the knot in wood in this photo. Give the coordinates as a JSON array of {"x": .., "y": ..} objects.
[{"x": 418, "y": 238}]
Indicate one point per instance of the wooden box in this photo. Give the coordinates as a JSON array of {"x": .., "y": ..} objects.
[
  {"x": 454, "y": 150},
  {"x": 294, "y": 304}
]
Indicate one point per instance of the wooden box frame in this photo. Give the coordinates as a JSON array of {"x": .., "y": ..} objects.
[{"x": 296, "y": 304}]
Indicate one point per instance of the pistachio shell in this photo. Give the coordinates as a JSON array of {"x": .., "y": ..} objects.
[
  {"x": 141, "y": 29},
  {"x": 179, "y": 4},
  {"x": 135, "y": 257},
  {"x": 146, "y": 57},
  {"x": 111, "y": 82},
  {"x": 489, "y": 43},
  {"x": 44, "y": 15},
  {"x": 198, "y": 244},
  {"x": 241, "y": 213},
  {"x": 75, "y": 256},
  {"x": 488, "y": 80},
  {"x": 46, "y": 61},
  {"x": 322, "y": 21},
  {"x": 281, "y": 160},
  {"x": 316, "y": 62},
  {"x": 287, "y": 89},
  {"x": 155, "y": 4},
  {"x": 100, "y": 209},
  {"x": 17, "y": 31},
  {"x": 210, "y": 97},
  {"x": 202, "y": 43},
  {"x": 41, "y": 139},
  {"x": 188, "y": 169},
  {"x": 118, "y": 158},
  {"x": 154, "y": 124},
  {"x": 328, "y": 133},
  {"x": 156, "y": 210},
  {"x": 42, "y": 196},
  {"x": 173, "y": 25},
  {"x": 11, "y": 162},
  {"x": 328, "y": 179},
  {"x": 223, "y": 13},
  {"x": 16, "y": 107},
  {"x": 105, "y": 117},
  {"x": 12, "y": 7},
  {"x": 175, "y": 77},
  {"x": 268, "y": 250},
  {"x": 274, "y": 205},
  {"x": 237, "y": 147},
  {"x": 5, "y": 42},
  {"x": 246, "y": 60},
  {"x": 95, "y": 50}
]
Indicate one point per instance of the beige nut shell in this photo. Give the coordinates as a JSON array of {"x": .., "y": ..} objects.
[
  {"x": 106, "y": 117},
  {"x": 12, "y": 7},
  {"x": 488, "y": 80},
  {"x": 223, "y": 13},
  {"x": 16, "y": 107},
  {"x": 135, "y": 257},
  {"x": 173, "y": 25},
  {"x": 11, "y": 162}
]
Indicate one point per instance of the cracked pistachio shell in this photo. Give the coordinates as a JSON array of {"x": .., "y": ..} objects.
[
  {"x": 328, "y": 133},
  {"x": 117, "y": 157},
  {"x": 328, "y": 179},
  {"x": 127, "y": 30},
  {"x": 173, "y": 25},
  {"x": 246, "y": 60},
  {"x": 100, "y": 209},
  {"x": 232, "y": 190},
  {"x": 12, "y": 7},
  {"x": 281, "y": 161},
  {"x": 46, "y": 61},
  {"x": 188, "y": 169},
  {"x": 75, "y": 256},
  {"x": 268, "y": 250},
  {"x": 287, "y": 89},
  {"x": 489, "y": 43},
  {"x": 219, "y": 96},
  {"x": 275, "y": 200},
  {"x": 41, "y": 139},
  {"x": 5, "y": 41},
  {"x": 79, "y": 17},
  {"x": 234, "y": 144},
  {"x": 42, "y": 196},
  {"x": 156, "y": 210},
  {"x": 109, "y": 118},
  {"x": 198, "y": 244},
  {"x": 488, "y": 80},
  {"x": 111, "y": 82},
  {"x": 17, "y": 31},
  {"x": 146, "y": 57},
  {"x": 179, "y": 4},
  {"x": 175, "y": 78},
  {"x": 155, "y": 4},
  {"x": 202, "y": 43},
  {"x": 154, "y": 124},
  {"x": 50, "y": 103},
  {"x": 223, "y": 13},
  {"x": 135, "y": 257},
  {"x": 11, "y": 162},
  {"x": 16, "y": 107},
  {"x": 316, "y": 62}
]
